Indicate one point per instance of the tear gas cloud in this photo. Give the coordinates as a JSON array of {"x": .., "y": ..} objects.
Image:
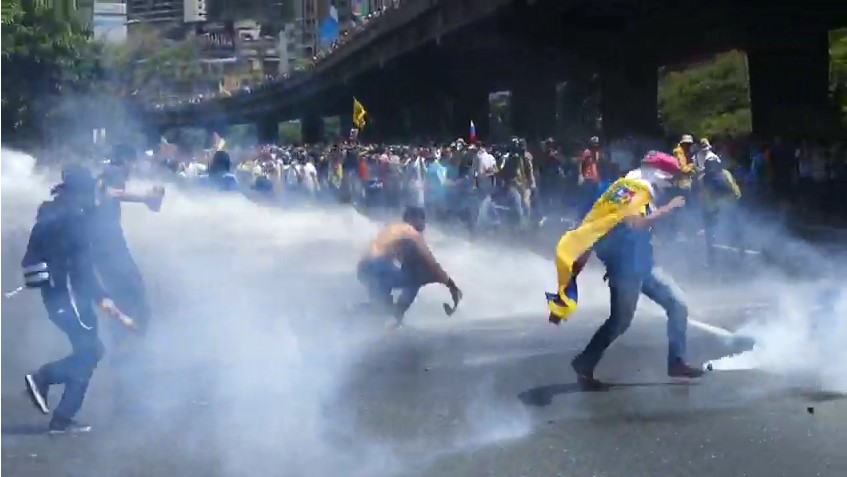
[
  {"x": 801, "y": 339},
  {"x": 803, "y": 317},
  {"x": 251, "y": 346}
]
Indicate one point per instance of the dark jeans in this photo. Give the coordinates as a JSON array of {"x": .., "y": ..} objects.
[
  {"x": 381, "y": 275},
  {"x": 624, "y": 294},
  {"x": 76, "y": 369},
  {"x": 122, "y": 278},
  {"x": 723, "y": 224}
]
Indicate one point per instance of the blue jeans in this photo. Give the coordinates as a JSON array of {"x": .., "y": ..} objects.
[
  {"x": 123, "y": 279},
  {"x": 624, "y": 293},
  {"x": 381, "y": 275},
  {"x": 79, "y": 323}
]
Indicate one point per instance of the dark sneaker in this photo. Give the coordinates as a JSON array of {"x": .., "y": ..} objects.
[
  {"x": 585, "y": 377},
  {"x": 67, "y": 426},
  {"x": 37, "y": 392},
  {"x": 680, "y": 369}
]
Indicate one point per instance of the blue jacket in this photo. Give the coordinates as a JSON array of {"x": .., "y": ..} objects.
[
  {"x": 223, "y": 182},
  {"x": 58, "y": 258}
]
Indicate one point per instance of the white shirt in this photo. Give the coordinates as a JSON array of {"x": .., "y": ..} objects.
[
  {"x": 702, "y": 157},
  {"x": 484, "y": 163},
  {"x": 291, "y": 175},
  {"x": 310, "y": 176},
  {"x": 195, "y": 169}
]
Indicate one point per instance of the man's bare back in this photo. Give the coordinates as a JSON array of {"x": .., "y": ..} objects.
[
  {"x": 402, "y": 244},
  {"x": 393, "y": 242}
]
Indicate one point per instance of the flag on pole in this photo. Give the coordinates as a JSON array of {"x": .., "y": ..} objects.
[
  {"x": 359, "y": 114},
  {"x": 472, "y": 136}
]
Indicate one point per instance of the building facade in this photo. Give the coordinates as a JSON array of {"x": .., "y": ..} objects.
[
  {"x": 159, "y": 14},
  {"x": 109, "y": 20},
  {"x": 268, "y": 11},
  {"x": 80, "y": 11},
  {"x": 194, "y": 11}
]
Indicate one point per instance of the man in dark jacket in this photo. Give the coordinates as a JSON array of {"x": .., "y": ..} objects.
[
  {"x": 58, "y": 261},
  {"x": 121, "y": 275},
  {"x": 220, "y": 173}
]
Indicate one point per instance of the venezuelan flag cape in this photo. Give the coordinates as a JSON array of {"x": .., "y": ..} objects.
[{"x": 624, "y": 198}]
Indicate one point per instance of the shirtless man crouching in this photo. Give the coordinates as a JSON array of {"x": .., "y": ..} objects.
[{"x": 402, "y": 243}]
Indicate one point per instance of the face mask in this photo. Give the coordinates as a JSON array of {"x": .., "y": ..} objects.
[{"x": 656, "y": 178}]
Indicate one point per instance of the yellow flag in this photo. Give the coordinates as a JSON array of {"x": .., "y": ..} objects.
[
  {"x": 624, "y": 198},
  {"x": 359, "y": 114}
]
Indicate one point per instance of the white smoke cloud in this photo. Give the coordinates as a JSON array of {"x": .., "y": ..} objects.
[
  {"x": 252, "y": 349},
  {"x": 800, "y": 339},
  {"x": 251, "y": 346}
]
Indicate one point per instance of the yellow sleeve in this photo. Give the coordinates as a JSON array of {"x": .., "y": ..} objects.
[
  {"x": 679, "y": 155},
  {"x": 736, "y": 190}
]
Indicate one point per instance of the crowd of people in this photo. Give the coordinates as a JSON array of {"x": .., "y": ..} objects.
[{"x": 511, "y": 188}]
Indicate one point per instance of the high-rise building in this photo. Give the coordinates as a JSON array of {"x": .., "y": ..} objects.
[
  {"x": 194, "y": 11},
  {"x": 345, "y": 13},
  {"x": 268, "y": 11},
  {"x": 109, "y": 20},
  {"x": 160, "y": 14},
  {"x": 307, "y": 27},
  {"x": 81, "y": 11}
]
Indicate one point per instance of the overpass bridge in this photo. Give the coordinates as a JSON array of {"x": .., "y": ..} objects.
[{"x": 430, "y": 65}]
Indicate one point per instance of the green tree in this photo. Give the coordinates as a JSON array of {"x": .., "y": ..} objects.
[
  {"x": 151, "y": 67},
  {"x": 707, "y": 99},
  {"x": 240, "y": 134},
  {"x": 44, "y": 58},
  {"x": 838, "y": 58},
  {"x": 290, "y": 132}
]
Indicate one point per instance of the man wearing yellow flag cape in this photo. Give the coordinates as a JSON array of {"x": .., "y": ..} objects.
[{"x": 618, "y": 230}]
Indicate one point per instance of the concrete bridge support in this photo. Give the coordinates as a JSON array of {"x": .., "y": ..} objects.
[
  {"x": 629, "y": 86},
  {"x": 267, "y": 130},
  {"x": 534, "y": 108},
  {"x": 789, "y": 79},
  {"x": 312, "y": 128},
  {"x": 470, "y": 104}
]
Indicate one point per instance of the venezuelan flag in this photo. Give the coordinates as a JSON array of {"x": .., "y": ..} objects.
[{"x": 624, "y": 198}]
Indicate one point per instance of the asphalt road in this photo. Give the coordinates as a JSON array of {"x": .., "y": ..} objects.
[{"x": 486, "y": 392}]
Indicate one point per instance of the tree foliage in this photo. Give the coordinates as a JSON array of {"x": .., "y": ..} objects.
[
  {"x": 707, "y": 99},
  {"x": 713, "y": 97},
  {"x": 150, "y": 66},
  {"x": 290, "y": 132},
  {"x": 838, "y": 57},
  {"x": 43, "y": 58}
]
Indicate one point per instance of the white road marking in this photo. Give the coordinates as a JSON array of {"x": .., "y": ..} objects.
[
  {"x": 734, "y": 249},
  {"x": 715, "y": 330}
]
